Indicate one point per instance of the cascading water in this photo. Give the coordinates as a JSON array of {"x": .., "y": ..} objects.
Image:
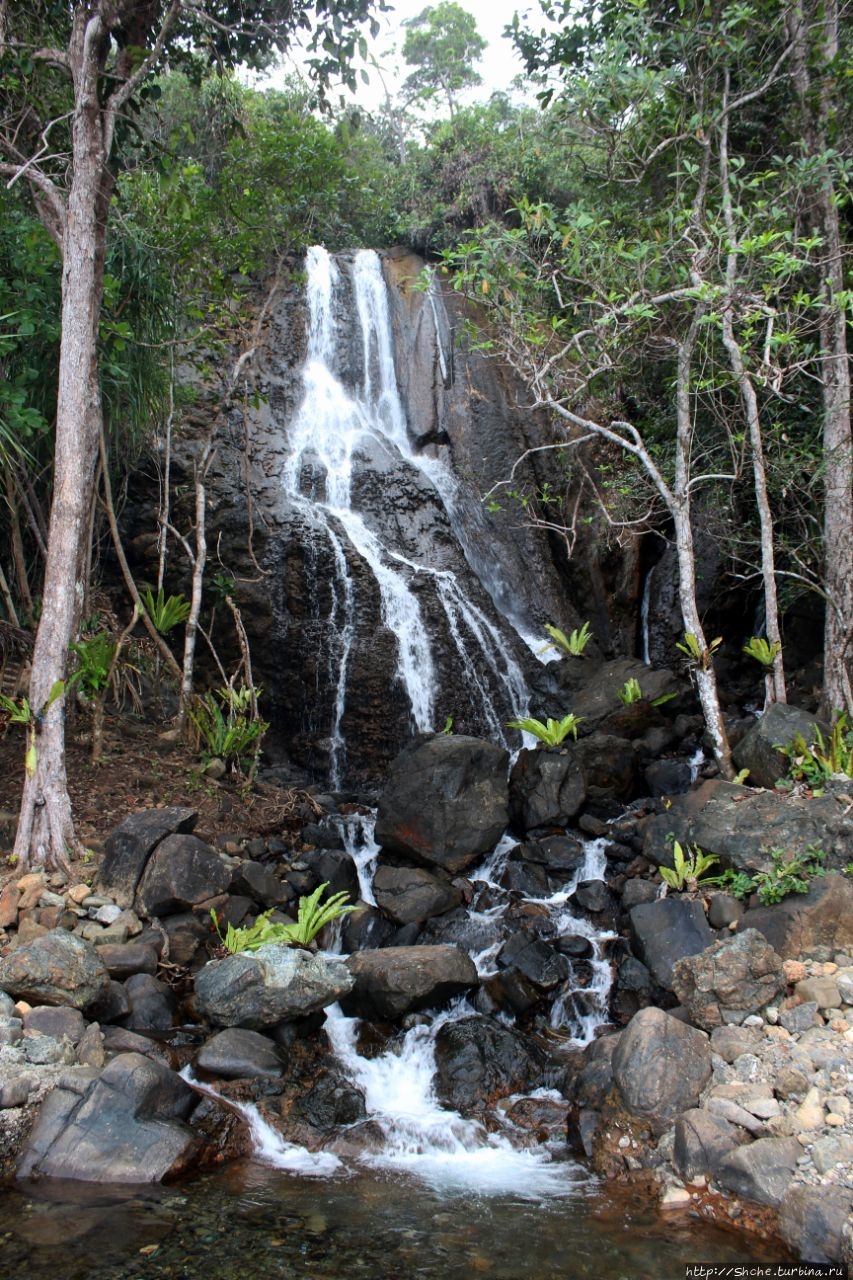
[{"x": 351, "y": 418}]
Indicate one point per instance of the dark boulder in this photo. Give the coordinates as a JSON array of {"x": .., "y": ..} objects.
[
  {"x": 477, "y": 1060},
  {"x": 812, "y": 1221},
  {"x": 823, "y": 917},
  {"x": 702, "y": 1140},
  {"x": 152, "y": 1005},
  {"x": 759, "y": 749},
  {"x": 126, "y": 1125},
  {"x": 761, "y": 1170},
  {"x": 398, "y": 980},
  {"x": 609, "y": 765},
  {"x": 182, "y": 872},
  {"x": 664, "y": 931},
  {"x": 239, "y": 1054},
  {"x": 445, "y": 802},
  {"x": 546, "y": 788},
  {"x": 128, "y": 848},
  {"x": 410, "y": 895},
  {"x": 272, "y": 985}
]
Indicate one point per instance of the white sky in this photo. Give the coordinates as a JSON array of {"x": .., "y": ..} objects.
[{"x": 499, "y": 66}]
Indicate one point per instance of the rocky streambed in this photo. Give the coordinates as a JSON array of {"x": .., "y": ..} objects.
[{"x": 714, "y": 1064}]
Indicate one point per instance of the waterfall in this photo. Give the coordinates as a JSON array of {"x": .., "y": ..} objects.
[{"x": 351, "y": 423}]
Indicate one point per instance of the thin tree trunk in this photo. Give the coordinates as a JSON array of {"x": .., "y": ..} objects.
[
  {"x": 45, "y": 835},
  {"x": 199, "y": 561},
  {"x": 706, "y": 681}
]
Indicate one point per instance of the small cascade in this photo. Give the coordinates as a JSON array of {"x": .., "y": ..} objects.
[
  {"x": 349, "y": 433},
  {"x": 268, "y": 1146},
  {"x": 645, "y": 609},
  {"x": 435, "y": 1144},
  {"x": 356, "y": 831}
]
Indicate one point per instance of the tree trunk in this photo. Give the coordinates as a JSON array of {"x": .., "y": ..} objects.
[{"x": 46, "y": 831}]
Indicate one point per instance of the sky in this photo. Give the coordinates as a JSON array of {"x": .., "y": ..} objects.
[{"x": 498, "y": 67}]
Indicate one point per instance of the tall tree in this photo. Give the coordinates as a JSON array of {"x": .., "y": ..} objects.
[
  {"x": 442, "y": 44},
  {"x": 72, "y": 77}
]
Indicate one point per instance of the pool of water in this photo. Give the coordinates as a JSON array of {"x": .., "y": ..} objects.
[{"x": 249, "y": 1222}]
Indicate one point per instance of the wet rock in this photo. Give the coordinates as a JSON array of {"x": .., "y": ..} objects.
[
  {"x": 271, "y": 985},
  {"x": 665, "y": 931},
  {"x": 812, "y": 1219},
  {"x": 181, "y": 872},
  {"x": 365, "y": 929},
  {"x": 736, "y": 976},
  {"x": 660, "y": 1067},
  {"x": 337, "y": 869},
  {"x": 333, "y": 1102},
  {"x": 240, "y": 1054},
  {"x": 529, "y": 878},
  {"x": 128, "y": 848},
  {"x": 57, "y": 968},
  {"x": 555, "y": 853},
  {"x": 760, "y": 1171},
  {"x": 511, "y": 992},
  {"x": 701, "y": 1142},
  {"x": 398, "y": 980},
  {"x": 594, "y": 896},
  {"x": 609, "y": 765},
  {"x": 541, "y": 964},
  {"x": 575, "y": 946},
  {"x": 741, "y": 826},
  {"x": 477, "y": 1059},
  {"x": 594, "y": 1080},
  {"x": 546, "y": 788},
  {"x": 445, "y": 802},
  {"x": 758, "y": 751},
  {"x": 667, "y": 777},
  {"x": 410, "y": 895}
]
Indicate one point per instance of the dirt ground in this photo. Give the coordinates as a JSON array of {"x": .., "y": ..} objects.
[{"x": 142, "y": 769}]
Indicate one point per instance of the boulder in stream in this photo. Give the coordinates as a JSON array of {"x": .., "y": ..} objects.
[
  {"x": 445, "y": 802},
  {"x": 271, "y": 985},
  {"x": 398, "y": 980}
]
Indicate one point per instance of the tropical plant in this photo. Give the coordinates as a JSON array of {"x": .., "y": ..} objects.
[
  {"x": 95, "y": 655},
  {"x": 20, "y": 712},
  {"x": 552, "y": 732},
  {"x": 688, "y": 868},
  {"x": 762, "y": 651},
  {"x": 630, "y": 692},
  {"x": 789, "y": 873},
  {"x": 816, "y": 763},
  {"x": 572, "y": 644},
  {"x": 312, "y": 917},
  {"x": 225, "y": 726},
  {"x": 698, "y": 655},
  {"x": 166, "y": 612}
]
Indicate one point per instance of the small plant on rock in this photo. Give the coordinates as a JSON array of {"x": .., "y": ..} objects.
[
  {"x": 689, "y": 868},
  {"x": 312, "y": 916},
  {"x": 818, "y": 762},
  {"x": 573, "y": 644},
  {"x": 630, "y": 692},
  {"x": 552, "y": 732}
]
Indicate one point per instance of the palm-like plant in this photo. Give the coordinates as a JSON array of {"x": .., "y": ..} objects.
[{"x": 550, "y": 733}]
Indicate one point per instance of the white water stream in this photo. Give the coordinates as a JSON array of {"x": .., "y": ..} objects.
[{"x": 333, "y": 428}]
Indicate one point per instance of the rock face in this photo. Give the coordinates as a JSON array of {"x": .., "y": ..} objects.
[
  {"x": 125, "y": 1125},
  {"x": 660, "y": 1067},
  {"x": 411, "y": 895},
  {"x": 56, "y": 969},
  {"x": 729, "y": 980},
  {"x": 398, "y": 980},
  {"x": 272, "y": 985},
  {"x": 446, "y": 802},
  {"x": 823, "y": 917},
  {"x": 742, "y": 826}
]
